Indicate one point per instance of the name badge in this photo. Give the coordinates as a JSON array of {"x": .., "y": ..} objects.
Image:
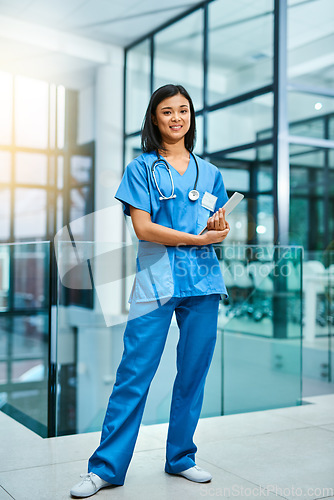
[{"x": 209, "y": 201}]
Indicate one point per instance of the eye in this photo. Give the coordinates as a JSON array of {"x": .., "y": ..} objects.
[{"x": 166, "y": 112}]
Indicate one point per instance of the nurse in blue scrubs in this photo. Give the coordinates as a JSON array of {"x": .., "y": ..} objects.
[{"x": 170, "y": 194}]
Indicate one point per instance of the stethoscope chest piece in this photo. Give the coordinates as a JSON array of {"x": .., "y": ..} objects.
[{"x": 193, "y": 195}]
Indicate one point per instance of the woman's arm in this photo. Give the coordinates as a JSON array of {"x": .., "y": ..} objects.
[{"x": 147, "y": 230}]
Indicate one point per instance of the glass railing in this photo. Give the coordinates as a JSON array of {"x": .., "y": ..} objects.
[
  {"x": 257, "y": 360},
  {"x": 24, "y": 333},
  {"x": 58, "y": 359},
  {"x": 318, "y": 321}
]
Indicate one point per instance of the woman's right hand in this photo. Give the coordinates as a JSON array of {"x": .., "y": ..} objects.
[{"x": 213, "y": 236}]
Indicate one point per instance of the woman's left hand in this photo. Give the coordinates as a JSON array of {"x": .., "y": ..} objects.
[{"x": 217, "y": 221}]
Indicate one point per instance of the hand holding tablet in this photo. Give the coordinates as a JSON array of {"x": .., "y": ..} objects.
[{"x": 229, "y": 206}]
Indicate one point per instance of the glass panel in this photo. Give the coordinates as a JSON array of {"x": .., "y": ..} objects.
[
  {"x": 318, "y": 289},
  {"x": 307, "y": 114},
  {"x": 310, "y": 42},
  {"x": 239, "y": 124},
  {"x": 60, "y": 172},
  {"x": 31, "y": 112},
  {"x": 240, "y": 47},
  {"x": 59, "y": 212},
  {"x": 30, "y": 268},
  {"x": 30, "y": 337},
  {"x": 24, "y": 339},
  {"x": 132, "y": 149},
  {"x": 31, "y": 168},
  {"x": 81, "y": 204},
  {"x": 178, "y": 56},
  {"x": 309, "y": 186},
  {"x": 265, "y": 220},
  {"x": 5, "y": 166},
  {"x": 6, "y": 103},
  {"x": 81, "y": 169},
  {"x": 3, "y": 340},
  {"x": 4, "y": 214},
  {"x": 199, "y": 136},
  {"x": 262, "y": 329},
  {"x": 138, "y": 78},
  {"x": 60, "y": 117},
  {"x": 331, "y": 128},
  {"x": 4, "y": 277},
  {"x": 30, "y": 213},
  {"x": 52, "y": 137}
]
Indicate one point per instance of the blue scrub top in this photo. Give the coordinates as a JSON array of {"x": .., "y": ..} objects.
[{"x": 173, "y": 271}]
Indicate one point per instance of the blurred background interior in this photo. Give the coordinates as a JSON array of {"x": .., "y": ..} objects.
[{"x": 75, "y": 80}]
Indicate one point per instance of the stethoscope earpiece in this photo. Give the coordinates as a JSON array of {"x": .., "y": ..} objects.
[{"x": 193, "y": 194}]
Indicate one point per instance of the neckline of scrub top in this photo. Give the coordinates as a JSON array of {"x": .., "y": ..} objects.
[{"x": 186, "y": 170}]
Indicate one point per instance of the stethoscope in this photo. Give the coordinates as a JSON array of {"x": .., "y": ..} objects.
[{"x": 193, "y": 195}]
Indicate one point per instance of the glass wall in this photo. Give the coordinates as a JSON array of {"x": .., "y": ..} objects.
[
  {"x": 262, "y": 80},
  {"x": 46, "y": 178}
]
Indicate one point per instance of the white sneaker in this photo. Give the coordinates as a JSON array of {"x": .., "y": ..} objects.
[
  {"x": 90, "y": 484},
  {"x": 196, "y": 474}
]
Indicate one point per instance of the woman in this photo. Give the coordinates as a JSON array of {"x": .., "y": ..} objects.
[{"x": 171, "y": 195}]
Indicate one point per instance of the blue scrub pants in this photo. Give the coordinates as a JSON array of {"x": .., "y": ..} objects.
[{"x": 144, "y": 342}]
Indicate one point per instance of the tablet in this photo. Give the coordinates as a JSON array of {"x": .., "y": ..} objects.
[{"x": 229, "y": 206}]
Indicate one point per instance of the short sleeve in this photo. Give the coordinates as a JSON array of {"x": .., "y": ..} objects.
[
  {"x": 133, "y": 189},
  {"x": 219, "y": 190}
]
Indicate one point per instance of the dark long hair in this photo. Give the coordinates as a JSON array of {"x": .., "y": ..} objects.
[{"x": 150, "y": 135}]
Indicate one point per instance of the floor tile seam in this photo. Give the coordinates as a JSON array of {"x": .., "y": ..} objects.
[
  {"x": 4, "y": 489},
  {"x": 42, "y": 465},
  {"x": 240, "y": 477},
  {"x": 230, "y": 438}
]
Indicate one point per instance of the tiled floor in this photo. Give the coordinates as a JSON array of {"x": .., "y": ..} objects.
[{"x": 288, "y": 452}]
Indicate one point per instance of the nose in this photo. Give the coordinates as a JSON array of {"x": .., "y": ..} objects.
[{"x": 176, "y": 117}]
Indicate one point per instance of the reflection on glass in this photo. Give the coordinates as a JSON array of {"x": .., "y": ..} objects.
[
  {"x": 81, "y": 167},
  {"x": 138, "y": 68},
  {"x": 310, "y": 43},
  {"x": 6, "y": 115},
  {"x": 31, "y": 112},
  {"x": 239, "y": 124},
  {"x": 240, "y": 47},
  {"x": 31, "y": 168},
  {"x": 4, "y": 214},
  {"x": 178, "y": 56},
  {"x": 5, "y": 164},
  {"x": 30, "y": 213}
]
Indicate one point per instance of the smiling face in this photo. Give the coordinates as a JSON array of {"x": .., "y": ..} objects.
[{"x": 172, "y": 117}]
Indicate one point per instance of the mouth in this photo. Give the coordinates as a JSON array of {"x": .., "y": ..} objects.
[{"x": 176, "y": 127}]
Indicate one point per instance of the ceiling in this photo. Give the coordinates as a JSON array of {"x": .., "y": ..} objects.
[{"x": 108, "y": 21}]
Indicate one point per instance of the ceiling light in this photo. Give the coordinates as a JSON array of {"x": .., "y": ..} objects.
[
  {"x": 261, "y": 229},
  {"x": 318, "y": 105}
]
